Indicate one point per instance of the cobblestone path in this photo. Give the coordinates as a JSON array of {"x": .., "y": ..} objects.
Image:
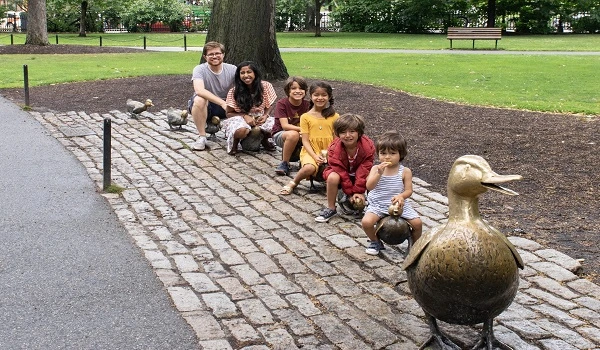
[{"x": 249, "y": 269}]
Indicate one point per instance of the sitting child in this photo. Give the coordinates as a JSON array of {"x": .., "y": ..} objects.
[
  {"x": 286, "y": 130},
  {"x": 388, "y": 183},
  {"x": 349, "y": 160},
  {"x": 316, "y": 130}
]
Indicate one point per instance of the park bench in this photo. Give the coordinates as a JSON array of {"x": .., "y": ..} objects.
[{"x": 469, "y": 33}]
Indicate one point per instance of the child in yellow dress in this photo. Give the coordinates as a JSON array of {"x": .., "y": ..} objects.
[{"x": 316, "y": 130}]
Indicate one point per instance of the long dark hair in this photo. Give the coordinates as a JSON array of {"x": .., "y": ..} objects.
[
  {"x": 246, "y": 96},
  {"x": 328, "y": 111}
]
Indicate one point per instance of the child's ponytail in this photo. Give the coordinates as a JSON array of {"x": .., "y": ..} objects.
[{"x": 329, "y": 111}]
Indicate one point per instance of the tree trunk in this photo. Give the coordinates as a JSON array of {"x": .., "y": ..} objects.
[
  {"x": 318, "y": 17},
  {"x": 247, "y": 29},
  {"x": 309, "y": 18},
  {"x": 37, "y": 30},
  {"x": 84, "y": 7},
  {"x": 491, "y": 13}
]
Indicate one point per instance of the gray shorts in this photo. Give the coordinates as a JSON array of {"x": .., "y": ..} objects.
[{"x": 278, "y": 138}]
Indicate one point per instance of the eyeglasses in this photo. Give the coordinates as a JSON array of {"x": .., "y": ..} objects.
[{"x": 214, "y": 54}]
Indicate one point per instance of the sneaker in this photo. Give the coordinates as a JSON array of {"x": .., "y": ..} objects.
[
  {"x": 374, "y": 248},
  {"x": 200, "y": 144},
  {"x": 325, "y": 215},
  {"x": 283, "y": 169}
]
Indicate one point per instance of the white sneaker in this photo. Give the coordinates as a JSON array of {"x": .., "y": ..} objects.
[{"x": 200, "y": 144}]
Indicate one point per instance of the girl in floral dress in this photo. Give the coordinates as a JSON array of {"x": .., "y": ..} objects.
[{"x": 249, "y": 103}]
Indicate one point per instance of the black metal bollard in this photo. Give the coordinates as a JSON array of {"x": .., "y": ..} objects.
[
  {"x": 26, "y": 84},
  {"x": 11, "y": 39},
  {"x": 144, "y": 42},
  {"x": 184, "y": 43},
  {"x": 101, "y": 41},
  {"x": 56, "y": 39},
  {"x": 106, "y": 153}
]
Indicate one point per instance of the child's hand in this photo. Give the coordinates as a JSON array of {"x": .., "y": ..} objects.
[
  {"x": 261, "y": 120},
  {"x": 249, "y": 120},
  {"x": 381, "y": 167},
  {"x": 357, "y": 196},
  {"x": 320, "y": 159},
  {"x": 398, "y": 199}
]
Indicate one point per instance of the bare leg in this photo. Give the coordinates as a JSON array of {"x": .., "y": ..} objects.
[
  {"x": 290, "y": 140},
  {"x": 199, "y": 111},
  {"x": 304, "y": 173},
  {"x": 333, "y": 180},
  {"x": 417, "y": 229},
  {"x": 238, "y": 135},
  {"x": 368, "y": 224}
]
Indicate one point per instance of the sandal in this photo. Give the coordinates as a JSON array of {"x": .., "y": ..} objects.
[{"x": 288, "y": 189}]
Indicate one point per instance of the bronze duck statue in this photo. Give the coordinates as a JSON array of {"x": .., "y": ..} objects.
[
  {"x": 135, "y": 108},
  {"x": 394, "y": 229},
  {"x": 253, "y": 140},
  {"x": 213, "y": 126},
  {"x": 465, "y": 271},
  {"x": 176, "y": 117}
]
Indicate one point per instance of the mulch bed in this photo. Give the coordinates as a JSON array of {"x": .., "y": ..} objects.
[{"x": 557, "y": 154}]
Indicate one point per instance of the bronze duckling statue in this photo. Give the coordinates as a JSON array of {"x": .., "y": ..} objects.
[
  {"x": 176, "y": 117},
  {"x": 465, "y": 271},
  {"x": 394, "y": 229},
  {"x": 253, "y": 140},
  {"x": 213, "y": 126},
  {"x": 135, "y": 108}
]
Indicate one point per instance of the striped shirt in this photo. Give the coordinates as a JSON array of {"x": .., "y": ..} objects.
[{"x": 380, "y": 198}]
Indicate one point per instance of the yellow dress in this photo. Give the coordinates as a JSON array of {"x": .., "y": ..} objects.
[{"x": 320, "y": 134}]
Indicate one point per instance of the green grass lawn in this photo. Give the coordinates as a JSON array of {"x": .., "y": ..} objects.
[
  {"x": 565, "y": 42},
  {"x": 552, "y": 83}
]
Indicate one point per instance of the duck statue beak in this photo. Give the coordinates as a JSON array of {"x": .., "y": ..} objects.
[{"x": 492, "y": 180}]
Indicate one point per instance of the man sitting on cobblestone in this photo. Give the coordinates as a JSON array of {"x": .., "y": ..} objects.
[{"x": 212, "y": 80}]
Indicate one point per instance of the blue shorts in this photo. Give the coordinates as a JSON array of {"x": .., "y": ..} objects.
[{"x": 212, "y": 109}]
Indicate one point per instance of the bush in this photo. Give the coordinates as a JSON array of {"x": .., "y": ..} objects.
[{"x": 587, "y": 24}]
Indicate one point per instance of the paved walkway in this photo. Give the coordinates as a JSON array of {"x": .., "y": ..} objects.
[
  {"x": 70, "y": 275},
  {"x": 432, "y": 52},
  {"x": 249, "y": 269}
]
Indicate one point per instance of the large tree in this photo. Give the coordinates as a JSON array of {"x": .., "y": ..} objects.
[
  {"x": 37, "y": 31},
  {"x": 247, "y": 29}
]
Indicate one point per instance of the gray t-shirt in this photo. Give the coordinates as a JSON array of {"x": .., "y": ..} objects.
[{"x": 219, "y": 84}]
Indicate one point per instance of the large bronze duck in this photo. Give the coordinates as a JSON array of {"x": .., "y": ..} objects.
[{"x": 465, "y": 271}]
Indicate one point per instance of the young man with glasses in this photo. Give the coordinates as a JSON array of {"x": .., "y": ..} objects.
[{"x": 212, "y": 80}]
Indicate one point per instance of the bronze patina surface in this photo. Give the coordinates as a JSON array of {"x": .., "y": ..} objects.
[
  {"x": 393, "y": 229},
  {"x": 465, "y": 271}
]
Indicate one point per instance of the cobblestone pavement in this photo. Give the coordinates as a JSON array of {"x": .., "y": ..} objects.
[{"x": 249, "y": 269}]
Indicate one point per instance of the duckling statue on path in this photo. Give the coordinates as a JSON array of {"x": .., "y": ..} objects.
[
  {"x": 176, "y": 117},
  {"x": 213, "y": 126},
  {"x": 465, "y": 271},
  {"x": 135, "y": 108},
  {"x": 394, "y": 229}
]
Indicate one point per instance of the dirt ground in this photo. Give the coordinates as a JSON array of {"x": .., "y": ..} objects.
[{"x": 557, "y": 154}]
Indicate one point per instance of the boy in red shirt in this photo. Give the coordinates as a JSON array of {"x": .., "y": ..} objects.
[{"x": 349, "y": 160}]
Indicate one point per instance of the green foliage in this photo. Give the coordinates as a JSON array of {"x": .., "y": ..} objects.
[
  {"x": 408, "y": 16},
  {"x": 3, "y": 10},
  {"x": 292, "y": 11},
  {"x": 588, "y": 23},
  {"x": 141, "y": 14}
]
